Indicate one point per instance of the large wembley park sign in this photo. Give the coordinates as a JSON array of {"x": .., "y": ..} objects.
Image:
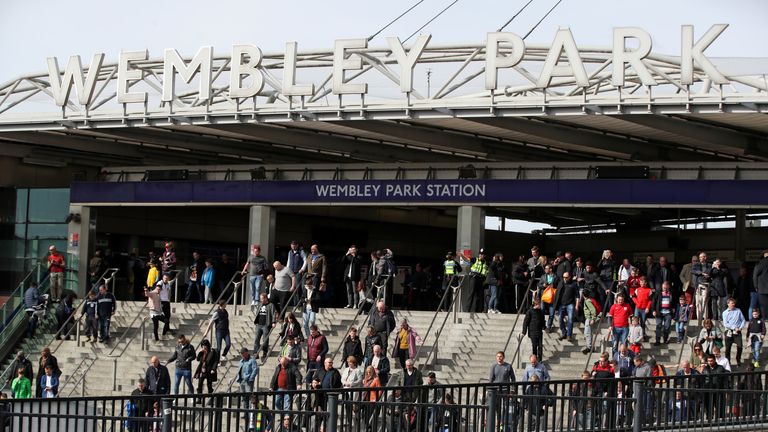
[
  {"x": 502, "y": 50},
  {"x": 354, "y": 80}
]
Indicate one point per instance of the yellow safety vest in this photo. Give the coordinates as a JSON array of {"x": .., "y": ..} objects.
[
  {"x": 450, "y": 267},
  {"x": 479, "y": 267}
]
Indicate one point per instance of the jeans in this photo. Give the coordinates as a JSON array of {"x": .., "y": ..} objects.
[
  {"x": 220, "y": 335},
  {"x": 261, "y": 332},
  {"x": 255, "y": 282},
  {"x": 643, "y": 315},
  {"x": 353, "y": 297},
  {"x": 566, "y": 330},
  {"x": 551, "y": 308},
  {"x": 619, "y": 336},
  {"x": 680, "y": 328},
  {"x": 663, "y": 324},
  {"x": 282, "y": 401},
  {"x": 754, "y": 303},
  {"x": 32, "y": 326},
  {"x": 194, "y": 288},
  {"x": 588, "y": 324},
  {"x": 104, "y": 327},
  {"x": 185, "y": 374},
  {"x": 309, "y": 320},
  {"x": 246, "y": 388},
  {"x": 493, "y": 302},
  {"x": 757, "y": 345}
]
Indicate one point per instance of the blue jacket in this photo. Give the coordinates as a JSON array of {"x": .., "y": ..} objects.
[
  {"x": 54, "y": 384},
  {"x": 248, "y": 371},
  {"x": 208, "y": 276}
]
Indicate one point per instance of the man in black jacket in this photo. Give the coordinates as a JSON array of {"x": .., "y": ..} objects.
[
  {"x": 195, "y": 278},
  {"x": 566, "y": 302},
  {"x": 157, "y": 377},
  {"x": 533, "y": 325},
  {"x": 383, "y": 322},
  {"x": 140, "y": 405},
  {"x": 183, "y": 356},
  {"x": 328, "y": 378},
  {"x": 351, "y": 276},
  {"x": 760, "y": 282},
  {"x": 20, "y": 362},
  {"x": 105, "y": 308},
  {"x": 285, "y": 378},
  {"x": 264, "y": 321},
  {"x": 714, "y": 377}
]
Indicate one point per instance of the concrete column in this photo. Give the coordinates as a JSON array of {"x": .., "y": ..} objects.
[
  {"x": 470, "y": 228},
  {"x": 741, "y": 230},
  {"x": 261, "y": 231},
  {"x": 470, "y": 234},
  {"x": 80, "y": 239}
]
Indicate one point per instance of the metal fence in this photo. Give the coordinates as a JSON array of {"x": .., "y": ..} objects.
[{"x": 698, "y": 402}]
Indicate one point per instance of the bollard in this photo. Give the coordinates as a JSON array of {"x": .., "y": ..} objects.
[
  {"x": 333, "y": 403},
  {"x": 638, "y": 389},
  {"x": 167, "y": 414},
  {"x": 490, "y": 415}
]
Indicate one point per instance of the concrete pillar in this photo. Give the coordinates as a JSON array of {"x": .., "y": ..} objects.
[
  {"x": 470, "y": 234},
  {"x": 470, "y": 228},
  {"x": 80, "y": 240},
  {"x": 741, "y": 230},
  {"x": 261, "y": 231}
]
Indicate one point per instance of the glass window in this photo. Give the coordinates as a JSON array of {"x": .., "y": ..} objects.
[
  {"x": 21, "y": 205},
  {"x": 48, "y": 205},
  {"x": 47, "y": 231}
]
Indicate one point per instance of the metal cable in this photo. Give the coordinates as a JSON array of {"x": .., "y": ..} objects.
[
  {"x": 394, "y": 20},
  {"x": 432, "y": 19},
  {"x": 542, "y": 19},
  {"x": 514, "y": 16}
]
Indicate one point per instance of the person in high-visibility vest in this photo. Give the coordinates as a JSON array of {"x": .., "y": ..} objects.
[
  {"x": 478, "y": 272},
  {"x": 451, "y": 271}
]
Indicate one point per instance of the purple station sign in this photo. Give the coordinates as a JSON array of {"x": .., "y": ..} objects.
[{"x": 564, "y": 192}]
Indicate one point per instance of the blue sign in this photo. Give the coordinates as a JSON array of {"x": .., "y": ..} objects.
[{"x": 479, "y": 192}]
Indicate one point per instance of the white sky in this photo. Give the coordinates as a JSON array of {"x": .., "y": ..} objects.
[{"x": 30, "y": 31}]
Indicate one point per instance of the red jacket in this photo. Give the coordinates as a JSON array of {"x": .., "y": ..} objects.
[{"x": 643, "y": 298}]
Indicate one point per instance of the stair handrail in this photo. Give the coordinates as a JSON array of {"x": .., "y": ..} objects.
[
  {"x": 207, "y": 322},
  {"x": 528, "y": 295},
  {"x": 596, "y": 333},
  {"x": 449, "y": 288},
  {"x": 456, "y": 294},
  {"x": 690, "y": 342},
  {"x": 82, "y": 375},
  {"x": 359, "y": 313},
  {"x": 283, "y": 310},
  {"x": 142, "y": 314},
  {"x": 20, "y": 292},
  {"x": 69, "y": 378}
]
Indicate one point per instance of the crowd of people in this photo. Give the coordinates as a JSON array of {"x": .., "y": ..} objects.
[{"x": 624, "y": 296}]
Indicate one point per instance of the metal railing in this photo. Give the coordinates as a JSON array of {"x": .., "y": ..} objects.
[
  {"x": 456, "y": 292},
  {"x": 523, "y": 306},
  {"x": 696, "y": 403},
  {"x": 359, "y": 314}
]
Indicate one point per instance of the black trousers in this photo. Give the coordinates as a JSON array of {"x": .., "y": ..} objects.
[
  {"x": 537, "y": 347},
  {"x": 167, "y": 315}
]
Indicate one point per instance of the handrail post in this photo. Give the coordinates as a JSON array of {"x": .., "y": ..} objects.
[
  {"x": 38, "y": 273},
  {"x": 167, "y": 414},
  {"x": 639, "y": 391},
  {"x": 176, "y": 288},
  {"x": 82, "y": 388},
  {"x": 114, "y": 374},
  {"x": 143, "y": 335},
  {"x": 77, "y": 333},
  {"x": 333, "y": 403},
  {"x": 490, "y": 415}
]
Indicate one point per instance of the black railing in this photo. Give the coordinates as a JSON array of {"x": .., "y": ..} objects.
[{"x": 698, "y": 402}]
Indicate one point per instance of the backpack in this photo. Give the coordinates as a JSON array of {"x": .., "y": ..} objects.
[{"x": 596, "y": 304}]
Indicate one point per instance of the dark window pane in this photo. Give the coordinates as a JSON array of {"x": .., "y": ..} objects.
[
  {"x": 48, "y": 205},
  {"x": 21, "y": 205}
]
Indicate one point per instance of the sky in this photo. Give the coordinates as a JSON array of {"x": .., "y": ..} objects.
[{"x": 32, "y": 31}]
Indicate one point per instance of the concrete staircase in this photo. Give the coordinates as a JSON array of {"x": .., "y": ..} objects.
[{"x": 464, "y": 352}]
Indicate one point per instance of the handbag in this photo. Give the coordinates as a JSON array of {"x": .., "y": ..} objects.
[
  {"x": 548, "y": 296},
  {"x": 212, "y": 375}
]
